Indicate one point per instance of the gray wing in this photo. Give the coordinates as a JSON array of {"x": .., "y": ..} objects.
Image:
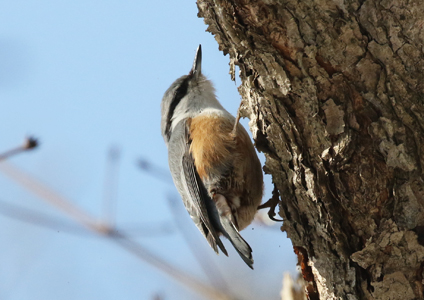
[{"x": 195, "y": 196}]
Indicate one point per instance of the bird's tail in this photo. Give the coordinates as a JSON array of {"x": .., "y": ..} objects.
[
  {"x": 241, "y": 246},
  {"x": 223, "y": 220}
]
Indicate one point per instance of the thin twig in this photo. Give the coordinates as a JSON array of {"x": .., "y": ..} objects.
[
  {"x": 33, "y": 217},
  {"x": 29, "y": 143},
  {"x": 41, "y": 219},
  {"x": 110, "y": 187},
  {"x": 52, "y": 197}
]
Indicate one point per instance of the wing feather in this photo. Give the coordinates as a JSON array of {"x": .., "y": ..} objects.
[{"x": 199, "y": 196}]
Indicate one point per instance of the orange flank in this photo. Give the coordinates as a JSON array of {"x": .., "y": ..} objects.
[
  {"x": 216, "y": 150},
  {"x": 212, "y": 142}
]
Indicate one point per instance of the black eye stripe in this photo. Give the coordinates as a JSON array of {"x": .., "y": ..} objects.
[{"x": 180, "y": 92}]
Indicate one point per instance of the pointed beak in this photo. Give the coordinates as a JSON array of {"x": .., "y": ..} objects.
[{"x": 196, "y": 70}]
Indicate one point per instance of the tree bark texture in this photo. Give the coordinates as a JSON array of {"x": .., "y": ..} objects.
[{"x": 334, "y": 91}]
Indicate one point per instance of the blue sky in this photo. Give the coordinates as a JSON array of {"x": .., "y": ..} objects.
[{"x": 85, "y": 76}]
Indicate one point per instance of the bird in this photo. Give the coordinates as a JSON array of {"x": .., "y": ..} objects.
[{"x": 213, "y": 162}]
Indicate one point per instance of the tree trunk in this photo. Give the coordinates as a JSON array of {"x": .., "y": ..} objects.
[{"x": 334, "y": 90}]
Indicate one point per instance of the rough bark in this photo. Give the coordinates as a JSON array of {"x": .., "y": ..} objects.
[{"x": 334, "y": 90}]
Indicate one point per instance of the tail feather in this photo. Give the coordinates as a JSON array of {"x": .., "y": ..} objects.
[
  {"x": 241, "y": 246},
  {"x": 223, "y": 221},
  {"x": 214, "y": 242}
]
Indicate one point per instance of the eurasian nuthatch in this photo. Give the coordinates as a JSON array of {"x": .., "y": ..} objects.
[{"x": 212, "y": 160}]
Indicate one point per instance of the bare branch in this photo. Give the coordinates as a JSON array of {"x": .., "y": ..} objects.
[
  {"x": 110, "y": 187},
  {"x": 33, "y": 217},
  {"x": 29, "y": 143},
  {"x": 30, "y": 216}
]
